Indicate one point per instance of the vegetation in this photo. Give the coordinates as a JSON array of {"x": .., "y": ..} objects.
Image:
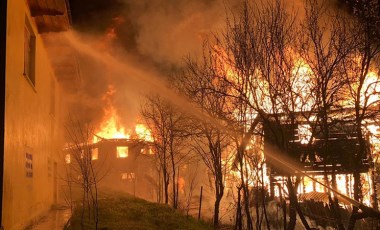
[{"x": 122, "y": 211}]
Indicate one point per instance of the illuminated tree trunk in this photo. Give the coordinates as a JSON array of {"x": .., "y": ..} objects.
[
  {"x": 219, "y": 183},
  {"x": 244, "y": 185},
  {"x": 292, "y": 206},
  {"x": 166, "y": 181},
  {"x": 218, "y": 195},
  {"x": 239, "y": 219},
  {"x": 357, "y": 159},
  {"x": 174, "y": 181},
  {"x": 264, "y": 196}
]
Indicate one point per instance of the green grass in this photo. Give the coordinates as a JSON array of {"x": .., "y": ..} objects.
[{"x": 121, "y": 211}]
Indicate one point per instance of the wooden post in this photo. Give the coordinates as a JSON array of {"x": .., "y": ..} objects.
[{"x": 200, "y": 204}]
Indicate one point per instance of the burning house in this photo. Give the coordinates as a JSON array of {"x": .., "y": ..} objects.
[
  {"x": 334, "y": 156},
  {"x": 121, "y": 164}
]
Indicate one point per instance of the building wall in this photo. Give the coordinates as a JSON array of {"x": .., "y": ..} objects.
[{"x": 32, "y": 126}]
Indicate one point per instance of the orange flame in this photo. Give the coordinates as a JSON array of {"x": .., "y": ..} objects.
[
  {"x": 371, "y": 89},
  {"x": 302, "y": 85},
  {"x": 143, "y": 133},
  {"x": 110, "y": 128}
]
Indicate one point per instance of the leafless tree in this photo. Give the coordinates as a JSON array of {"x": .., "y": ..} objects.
[
  {"x": 190, "y": 185},
  {"x": 81, "y": 168},
  {"x": 362, "y": 92},
  {"x": 272, "y": 70},
  {"x": 259, "y": 46},
  {"x": 166, "y": 123},
  {"x": 324, "y": 48},
  {"x": 200, "y": 84}
]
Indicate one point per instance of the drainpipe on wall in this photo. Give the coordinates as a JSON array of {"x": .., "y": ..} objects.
[{"x": 3, "y": 36}]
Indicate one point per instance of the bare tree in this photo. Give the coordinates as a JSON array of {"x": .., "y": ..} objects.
[
  {"x": 363, "y": 89},
  {"x": 208, "y": 140},
  {"x": 259, "y": 46},
  {"x": 275, "y": 71},
  {"x": 166, "y": 123},
  {"x": 82, "y": 170},
  {"x": 190, "y": 185}
]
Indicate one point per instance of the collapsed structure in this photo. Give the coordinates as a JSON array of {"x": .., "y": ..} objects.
[{"x": 306, "y": 144}]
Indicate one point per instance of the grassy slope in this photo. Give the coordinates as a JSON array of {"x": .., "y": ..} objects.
[{"x": 121, "y": 211}]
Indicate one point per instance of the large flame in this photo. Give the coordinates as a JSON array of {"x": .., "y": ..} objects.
[
  {"x": 143, "y": 133},
  {"x": 302, "y": 86},
  {"x": 110, "y": 127}
]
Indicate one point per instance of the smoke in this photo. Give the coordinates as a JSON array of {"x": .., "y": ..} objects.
[
  {"x": 134, "y": 79},
  {"x": 169, "y": 30},
  {"x": 149, "y": 37}
]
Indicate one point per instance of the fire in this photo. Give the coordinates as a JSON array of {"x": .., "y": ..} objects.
[
  {"x": 304, "y": 133},
  {"x": 110, "y": 128},
  {"x": 143, "y": 133},
  {"x": 302, "y": 85},
  {"x": 122, "y": 151},
  {"x": 111, "y": 33},
  {"x": 224, "y": 65},
  {"x": 371, "y": 89}
]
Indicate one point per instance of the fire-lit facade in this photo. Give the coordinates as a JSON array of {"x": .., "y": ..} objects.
[
  {"x": 132, "y": 166},
  {"x": 121, "y": 164},
  {"x": 33, "y": 112}
]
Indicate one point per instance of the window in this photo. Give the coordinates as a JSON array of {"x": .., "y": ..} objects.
[
  {"x": 128, "y": 176},
  {"x": 304, "y": 133},
  {"x": 122, "y": 151},
  {"x": 29, "y": 53},
  {"x": 68, "y": 159},
  {"x": 95, "y": 154},
  {"x": 29, "y": 164},
  {"x": 147, "y": 150}
]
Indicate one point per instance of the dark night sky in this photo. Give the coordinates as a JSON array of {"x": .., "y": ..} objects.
[
  {"x": 86, "y": 13},
  {"x": 95, "y": 16}
]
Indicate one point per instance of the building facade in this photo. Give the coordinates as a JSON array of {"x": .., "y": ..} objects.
[{"x": 33, "y": 111}]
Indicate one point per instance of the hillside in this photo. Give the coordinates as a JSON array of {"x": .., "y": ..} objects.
[{"x": 123, "y": 211}]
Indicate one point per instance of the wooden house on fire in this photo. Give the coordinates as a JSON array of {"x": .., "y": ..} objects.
[
  {"x": 126, "y": 165},
  {"x": 332, "y": 151}
]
